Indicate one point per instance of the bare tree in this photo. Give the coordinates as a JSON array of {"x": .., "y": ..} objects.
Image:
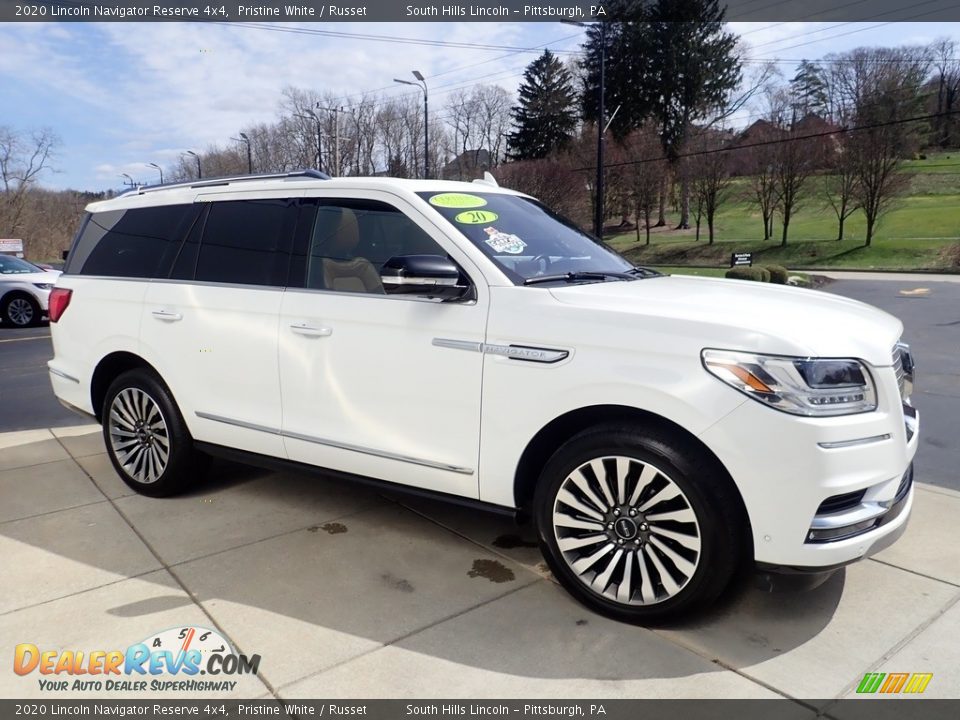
[
  {"x": 840, "y": 184},
  {"x": 551, "y": 180},
  {"x": 946, "y": 67},
  {"x": 23, "y": 158},
  {"x": 793, "y": 161},
  {"x": 710, "y": 176},
  {"x": 644, "y": 174}
]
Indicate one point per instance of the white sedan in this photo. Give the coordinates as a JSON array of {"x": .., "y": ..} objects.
[{"x": 24, "y": 289}]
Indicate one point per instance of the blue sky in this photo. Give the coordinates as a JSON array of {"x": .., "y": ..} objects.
[{"x": 124, "y": 94}]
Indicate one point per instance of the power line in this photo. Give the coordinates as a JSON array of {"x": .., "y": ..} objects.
[{"x": 780, "y": 141}]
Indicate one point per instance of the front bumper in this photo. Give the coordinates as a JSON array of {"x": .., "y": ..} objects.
[{"x": 821, "y": 492}]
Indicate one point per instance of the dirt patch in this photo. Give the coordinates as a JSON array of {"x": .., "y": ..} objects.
[
  {"x": 491, "y": 570},
  {"x": 509, "y": 542},
  {"x": 950, "y": 257},
  {"x": 331, "y": 528},
  {"x": 396, "y": 583}
]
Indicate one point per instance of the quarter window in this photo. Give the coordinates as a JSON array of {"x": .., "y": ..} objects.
[{"x": 137, "y": 243}]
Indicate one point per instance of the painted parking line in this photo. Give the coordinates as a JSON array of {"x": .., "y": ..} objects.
[{"x": 35, "y": 337}]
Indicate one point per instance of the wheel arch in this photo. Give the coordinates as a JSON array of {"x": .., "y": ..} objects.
[
  {"x": 109, "y": 367},
  {"x": 562, "y": 428}
]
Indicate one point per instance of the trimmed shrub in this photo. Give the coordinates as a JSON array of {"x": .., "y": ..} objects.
[
  {"x": 757, "y": 273},
  {"x": 778, "y": 274}
]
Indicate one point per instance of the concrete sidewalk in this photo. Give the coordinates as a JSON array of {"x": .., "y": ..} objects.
[{"x": 346, "y": 593}]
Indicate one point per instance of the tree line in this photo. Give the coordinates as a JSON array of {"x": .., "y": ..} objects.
[{"x": 691, "y": 124}]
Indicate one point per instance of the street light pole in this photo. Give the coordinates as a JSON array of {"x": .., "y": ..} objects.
[
  {"x": 197, "y": 158},
  {"x": 130, "y": 181},
  {"x": 245, "y": 139},
  {"x": 313, "y": 116},
  {"x": 158, "y": 169},
  {"x": 422, "y": 84},
  {"x": 601, "y": 125}
]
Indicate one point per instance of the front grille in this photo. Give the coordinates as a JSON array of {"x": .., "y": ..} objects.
[
  {"x": 898, "y": 367},
  {"x": 839, "y": 503}
]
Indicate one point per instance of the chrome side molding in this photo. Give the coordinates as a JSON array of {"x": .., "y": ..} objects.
[
  {"x": 853, "y": 443},
  {"x": 335, "y": 444},
  {"x": 514, "y": 352}
]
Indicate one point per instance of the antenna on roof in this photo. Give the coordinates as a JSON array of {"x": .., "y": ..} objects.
[{"x": 487, "y": 179}]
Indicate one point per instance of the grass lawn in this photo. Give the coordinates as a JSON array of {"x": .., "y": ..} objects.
[{"x": 920, "y": 232}]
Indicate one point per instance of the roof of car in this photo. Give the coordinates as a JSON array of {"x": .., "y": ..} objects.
[{"x": 183, "y": 192}]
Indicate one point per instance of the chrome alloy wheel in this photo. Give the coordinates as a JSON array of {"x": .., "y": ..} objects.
[
  {"x": 138, "y": 435},
  {"x": 626, "y": 530},
  {"x": 20, "y": 311}
]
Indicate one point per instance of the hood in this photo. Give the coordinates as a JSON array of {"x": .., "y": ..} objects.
[
  {"x": 43, "y": 276},
  {"x": 749, "y": 316}
]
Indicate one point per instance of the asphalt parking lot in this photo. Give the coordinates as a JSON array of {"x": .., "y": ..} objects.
[{"x": 347, "y": 593}]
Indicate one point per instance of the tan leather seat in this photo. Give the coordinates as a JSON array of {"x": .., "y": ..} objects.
[{"x": 339, "y": 269}]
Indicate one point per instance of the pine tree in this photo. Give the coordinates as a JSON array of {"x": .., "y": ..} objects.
[
  {"x": 809, "y": 90},
  {"x": 545, "y": 116}
]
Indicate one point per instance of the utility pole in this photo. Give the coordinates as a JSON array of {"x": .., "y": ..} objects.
[
  {"x": 336, "y": 134},
  {"x": 601, "y": 125}
]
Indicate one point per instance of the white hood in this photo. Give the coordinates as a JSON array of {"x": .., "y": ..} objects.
[{"x": 750, "y": 316}]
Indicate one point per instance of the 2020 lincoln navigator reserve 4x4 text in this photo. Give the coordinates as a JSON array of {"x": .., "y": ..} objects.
[{"x": 462, "y": 339}]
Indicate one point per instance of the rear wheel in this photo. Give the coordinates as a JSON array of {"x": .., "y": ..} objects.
[
  {"x": 638, "y": 526},
  {"x": 21, "y": 310},
  {"x": 146, "y": 437}
]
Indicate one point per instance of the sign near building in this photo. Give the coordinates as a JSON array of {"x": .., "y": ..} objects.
[
  {"x": 10, "y": 246},
  {"x": 741, "y": 259}
]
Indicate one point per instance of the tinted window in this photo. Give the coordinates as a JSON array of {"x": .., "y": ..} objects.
[
  {"x": 139, "y": 242},
  {"x": 351, "y": 240},
  {"x": 10, "y": 265},
  {"x": 247, "y": 242}
]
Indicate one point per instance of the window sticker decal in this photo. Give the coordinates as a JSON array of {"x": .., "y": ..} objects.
[
  {"x": 476, "y": 217},
  {"x": 503, "y": 242},
  {"x": 460, "y": 201}
]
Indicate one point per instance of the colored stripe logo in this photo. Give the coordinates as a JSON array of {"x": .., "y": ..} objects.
[{"x": 894, "y": 683}]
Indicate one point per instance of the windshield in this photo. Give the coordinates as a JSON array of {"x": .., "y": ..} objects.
[
  {"x": 525, "y": 239},
  {"x": 10, "y": 265}
]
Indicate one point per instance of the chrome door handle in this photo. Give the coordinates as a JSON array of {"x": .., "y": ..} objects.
[
  {"x": 311, "y": 330},
  {"x": 167, "y": 315}
]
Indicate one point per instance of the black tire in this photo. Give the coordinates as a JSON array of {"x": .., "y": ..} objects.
[
  {"x": 21, "y": 310},
  {"x": 701, "y": 556},
  {"x": 155, "y": 458}
]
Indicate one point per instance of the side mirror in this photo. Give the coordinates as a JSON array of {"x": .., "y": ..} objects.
[{"x": 432, "y": 276}]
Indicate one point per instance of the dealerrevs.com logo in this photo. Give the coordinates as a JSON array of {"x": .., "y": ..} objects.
[{"x": 170, "y": 660}]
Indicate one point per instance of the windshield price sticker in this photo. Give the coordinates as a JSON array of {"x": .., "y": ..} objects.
[
  {"x": 476, "y": 217},
  {"x": 460, "y": 201}
]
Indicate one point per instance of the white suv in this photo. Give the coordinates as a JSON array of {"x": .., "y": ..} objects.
[{"x": 464, "y": 341}]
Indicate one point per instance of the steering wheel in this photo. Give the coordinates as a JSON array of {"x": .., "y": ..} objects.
[{"x": 543, "y": 264}]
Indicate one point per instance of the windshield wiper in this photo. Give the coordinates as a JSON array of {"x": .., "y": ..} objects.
[
  {"x": 571, "y": 277},
  {"x": 644, "y": 272}
]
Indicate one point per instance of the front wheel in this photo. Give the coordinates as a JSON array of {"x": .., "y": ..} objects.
[
  {"x": 146, "y": 437},
  {"x": 21, "y": 311},
  {"x": 637, "y": 525}
]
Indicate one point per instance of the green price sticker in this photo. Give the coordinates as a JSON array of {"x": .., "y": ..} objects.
[
  {"x": 476, "y": 217},
  {"x": 457, "y": 200}
]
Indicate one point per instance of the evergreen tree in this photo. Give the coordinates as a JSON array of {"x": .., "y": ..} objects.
[
  {"x": 809, "y": 90},
  {"x": 668, "y": 61},
  {"x": 545, "y": 116}
]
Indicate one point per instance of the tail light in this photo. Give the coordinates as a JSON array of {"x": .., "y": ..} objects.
[{"x": 59, "y": 299}]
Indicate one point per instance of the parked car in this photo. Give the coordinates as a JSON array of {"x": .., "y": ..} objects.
[
  {"x": 464, "y": 341},
  {"x": 24, "y": 290}
]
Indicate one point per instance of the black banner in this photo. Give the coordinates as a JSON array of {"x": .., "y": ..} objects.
[
  {"x": 280, "y": 11},
  {"x": 853, "y": 709}
]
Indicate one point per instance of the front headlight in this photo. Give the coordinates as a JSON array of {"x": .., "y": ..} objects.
[
  {"x": 801, "y": 386},
  {"x": 44, "y": 286}
]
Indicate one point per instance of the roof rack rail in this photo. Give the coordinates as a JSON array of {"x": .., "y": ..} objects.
[{"x": 227, "y": 180}]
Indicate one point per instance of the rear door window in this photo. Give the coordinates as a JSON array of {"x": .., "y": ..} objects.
[{"x": 247, "y": 242}]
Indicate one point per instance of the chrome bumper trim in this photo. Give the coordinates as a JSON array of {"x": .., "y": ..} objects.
[{"x": 855, "y": 442}]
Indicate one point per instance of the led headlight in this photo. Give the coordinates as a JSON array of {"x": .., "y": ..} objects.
[{"x": 800, "y": 386}]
